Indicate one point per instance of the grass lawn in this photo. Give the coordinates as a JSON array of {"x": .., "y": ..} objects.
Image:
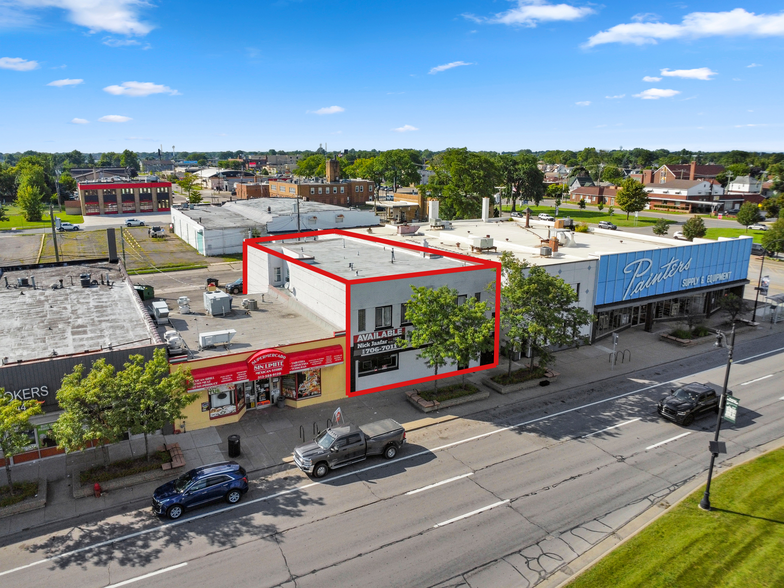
[
  {"x": 449, "y": 392},
  {"x": 17, "y": 221},
  {"x": 732, "y": 233},
  {"x": 740, "y": 544},
  {"x": 593, "y": 215},
  {"x": 22, "y": 491}
]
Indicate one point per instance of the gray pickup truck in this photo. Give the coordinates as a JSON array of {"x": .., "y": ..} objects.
[{"x": 340, "y": 446}]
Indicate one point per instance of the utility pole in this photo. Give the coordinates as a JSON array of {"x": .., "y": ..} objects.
[
  {"x": 122, "y": 242},
  {"x": 54, "y": 233}
]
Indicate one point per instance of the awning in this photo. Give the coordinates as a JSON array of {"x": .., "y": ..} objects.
[
  {"x": 315, "y": 358},
  {"x": 220, "y": 374}
]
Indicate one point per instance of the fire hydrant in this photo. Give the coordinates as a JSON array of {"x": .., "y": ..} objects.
[{"x": 97, "y": 490}]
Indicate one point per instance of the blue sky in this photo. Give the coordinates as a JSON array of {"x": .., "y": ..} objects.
[{"x": 108, "y": 75}]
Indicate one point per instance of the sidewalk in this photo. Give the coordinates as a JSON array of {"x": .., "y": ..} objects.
[{"x": 268, "y": 436}]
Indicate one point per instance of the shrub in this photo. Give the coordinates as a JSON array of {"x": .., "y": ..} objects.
[
  {"x": 521, "y": 375},
  {"x": 582, "y": 227},
  {"x": 449, "y": 392}
]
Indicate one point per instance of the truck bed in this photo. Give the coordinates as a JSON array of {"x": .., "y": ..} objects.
[{"x": 379, "y": 428}]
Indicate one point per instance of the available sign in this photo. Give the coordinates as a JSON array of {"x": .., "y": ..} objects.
[{"x": 377, "y": 341}]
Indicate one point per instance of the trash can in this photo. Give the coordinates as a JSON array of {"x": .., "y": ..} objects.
[
  {"x": 212, "y": 281},
  {"x": 85, "y": 280},
  {"x": 234, "y": 445}
]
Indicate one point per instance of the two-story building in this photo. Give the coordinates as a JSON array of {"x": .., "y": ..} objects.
[{"x": 124, "y": 196}]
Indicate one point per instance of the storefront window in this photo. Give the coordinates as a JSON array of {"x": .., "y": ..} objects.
[
  {"x": 226, "y": 399},
  {"x": 301, "y": 385},
  {"x": 379, "y": 363}
]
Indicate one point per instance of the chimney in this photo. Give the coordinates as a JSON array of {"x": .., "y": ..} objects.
[
  {"x": 692, "y": 169},
  {"x": 647, "y": 176},
  {"x": 333, "y": 170},
  {"x": 485, "y": 209}
]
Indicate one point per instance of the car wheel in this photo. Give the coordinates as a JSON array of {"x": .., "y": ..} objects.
[
  {"x": 235, "y": 290},
  {"x": 688, "y": 420},
  {"x": 141, "y": 224},
  {"x": 320, "y": 470},
  {"x": 390, "y": 451},
  {"x": 174, "y": 512},
  {"x": 233, "y": 497}
]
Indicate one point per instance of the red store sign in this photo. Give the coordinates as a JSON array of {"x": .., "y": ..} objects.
[{"x": 267, "y": 363}]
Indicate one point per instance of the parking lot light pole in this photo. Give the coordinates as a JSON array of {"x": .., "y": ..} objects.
[{"x": 721, "y": 340}]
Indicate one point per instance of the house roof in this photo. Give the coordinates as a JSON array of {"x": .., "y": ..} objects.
[
  {"x": 597, "y": 190},
  {"x": 684, "y": 169},
  {"x": 582, "y": 180}
]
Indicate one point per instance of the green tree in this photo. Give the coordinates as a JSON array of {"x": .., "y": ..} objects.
[
  {"x": 538, "y": 310},
  {"x": 130, "y": 160},
  {"x": 748, "y": 214},
  {"x": 612, "y": 174},
  {"x": 147, "y": 396},
  {"x": 29, "y": 199},
  {"x": 7, "y": 182},
  {"x": 631, "y": 197},
  {"x": 611, "y": 210},
  {"x": 190, "y": 185},
  {"x": 582, "y": 203},
  {"x": 773, "y": 238},
  {"x": 472, "y": 332},
  {"x": 67, "y": 183},
  {"x": 369, "y": 168},
  {"x": 529, "y": 184},
  {"x": 462, "y": 178},
  {"x": 109, "y": 159},
  {"x": 772, "y": 205},
  {"x": 732, "y": 305},
  {"x": 14, "y": 426},
  {"x": 694, "y": 228},
  {"x": 661, "y": 227},
  {"x": 89, "y": 416},
  {"x": 313, "y": 166}
]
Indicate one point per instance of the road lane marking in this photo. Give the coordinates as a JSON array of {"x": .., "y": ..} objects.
[
  {"x": 609, "y": 428},
  {"x": 667, "y": 441},
  {"x": 437, "y": 484},
  {"x": 145, "y": 576},
  {"x": 360, "y": 471},
  {"x": 470, "y": 514},
  {"x": 757, "y": 380}
]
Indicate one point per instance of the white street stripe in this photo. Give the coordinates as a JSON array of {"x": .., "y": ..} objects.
[
  {"x": 667, "y": 441},
  {"x": 757, "y": 380},
  {"x": 609, "y": 428},
  {"x": 470, "y": 514},
  {"x": 760, "y": 355},
  {"x": 145, "y": 576},
  {"x": 437, "y": 484}
]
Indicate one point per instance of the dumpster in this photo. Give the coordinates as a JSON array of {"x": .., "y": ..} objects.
[
  {"x": 212, "y": 282},
  {"x": 145, "y": 292},
  {"x": 234, "y": 445}
]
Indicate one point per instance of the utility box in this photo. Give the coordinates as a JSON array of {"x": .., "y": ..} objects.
[
  {"x": 160, "y": 312},
  {"x": 214, "y": 338},
  {"x": 217, "y": 303}
]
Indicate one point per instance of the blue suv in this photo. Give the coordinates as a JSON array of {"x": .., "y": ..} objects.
[{"x": 226, "y": 480}]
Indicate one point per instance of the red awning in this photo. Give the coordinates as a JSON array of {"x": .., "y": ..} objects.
[
  {"x": 315, "y": 358},
  {"x": 219, "y": 374}
]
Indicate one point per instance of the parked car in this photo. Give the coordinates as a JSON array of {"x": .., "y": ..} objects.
[
  {"x": 67, "y": 227},
  {"x": 134, "y": 222},
  {"x": 217, "y": 481},
  {"x": 234, "y": 287},
  {"x": 607, "y": 225},
  {"x": 678, "y": 235},
  {"x": 517, "y": 214},
  {"x": 687, "y": 402},
  {"x": 543, "y": 216},
  {"x": 757, "y": 249},
  {"x": 336, "y": 447},
  {"x": 759, "y": 227},
  {"x": 156, "y": 232}
]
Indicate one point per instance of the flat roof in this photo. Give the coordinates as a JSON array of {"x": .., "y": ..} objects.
[
  {"x": 524, "y": 243},
  {"x": 71, "y": 319},
  {"x": 358, "y": 259},
  {"x": 254, "y": 212},
  {"x": 274, "y": 324}
]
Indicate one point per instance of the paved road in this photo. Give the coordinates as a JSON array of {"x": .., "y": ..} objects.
[{"x": 501, "y": 498}]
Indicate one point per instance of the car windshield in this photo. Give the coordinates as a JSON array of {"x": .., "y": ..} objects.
[
  {"x": 325, "y": 440},
  {"x": 685, "y": 394},
  {"x": 182, "y": 482}
]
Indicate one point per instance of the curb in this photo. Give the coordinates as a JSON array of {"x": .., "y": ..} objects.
[{"x": 583, "y": 563}]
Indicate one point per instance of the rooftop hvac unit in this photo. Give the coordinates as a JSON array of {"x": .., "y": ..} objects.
[
  {"x": 217, "y": 303},
  {"x": 214, "y": 338},
  {"x": 184, "y": 303},
  {"x": 250, "y": 304},
  {"x": 174, "y": 343},
  {"x": 481, "y": 242},
  {"x": 160, "y": 312},
  {"x": 546, "y": 251}
]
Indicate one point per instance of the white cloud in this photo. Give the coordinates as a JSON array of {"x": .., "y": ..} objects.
[
  {"x": 700, "y": 73},
  {"x": 115, "y": 118},
  {"x": 529, "y": 13},
  {"x": 112, "y": 42},
  {"x": 755, "y": 65},
  {"x": 750, "y": 125},
  {"x": 583, "y": 103},
  {"x": 327, "y": 110},
  {"x": 651, "y": 79},
  {"x": 734, "y": 23},
  {"x": 65, "y": 82},
  {"x": 618, "y": 97},
  {"x": 405, "y": 129},
  {"x": 115, "y": 16},
  {"x": 17, "y": 64},
  {"x": 80, "y": 121},
  {"x": 447, "y": 66},
  {"x": 656, "y": 93},
  {"x": 139, "y": 89}
]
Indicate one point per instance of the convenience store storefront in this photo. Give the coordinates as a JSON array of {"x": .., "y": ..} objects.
[{"x": 231, "y": 385}]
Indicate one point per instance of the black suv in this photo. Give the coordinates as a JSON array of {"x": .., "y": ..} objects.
[
  {"x": 225, "y": 480},
  {"x": 234, "y": 287},
  {"x": 687, "y": 402}
]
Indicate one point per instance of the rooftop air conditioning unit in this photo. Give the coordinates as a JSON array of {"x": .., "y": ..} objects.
[
  {"x": 546, "y": 251},
  {"x": 214, "y": 338},
  {"x": 481, "y": 242}
]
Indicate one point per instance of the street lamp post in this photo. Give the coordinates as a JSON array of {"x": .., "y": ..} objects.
[{"x": 721, "y": 340}]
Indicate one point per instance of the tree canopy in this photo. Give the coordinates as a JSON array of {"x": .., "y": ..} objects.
[
  {"x": 694, "y": 228},
  {"x": 14, "y": 426},
  {"x": 748, "y": 214},
  {"x": 631, "y": 197}
]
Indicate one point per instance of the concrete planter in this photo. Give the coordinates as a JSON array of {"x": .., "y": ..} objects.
[
  {"x": 433, "y": 405},
  {"x": 688, "y": 342},
  {"x": 38, "y": 501},
  {"x": 549, "y": 377},
  {"x": 80, "y": 491}
]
